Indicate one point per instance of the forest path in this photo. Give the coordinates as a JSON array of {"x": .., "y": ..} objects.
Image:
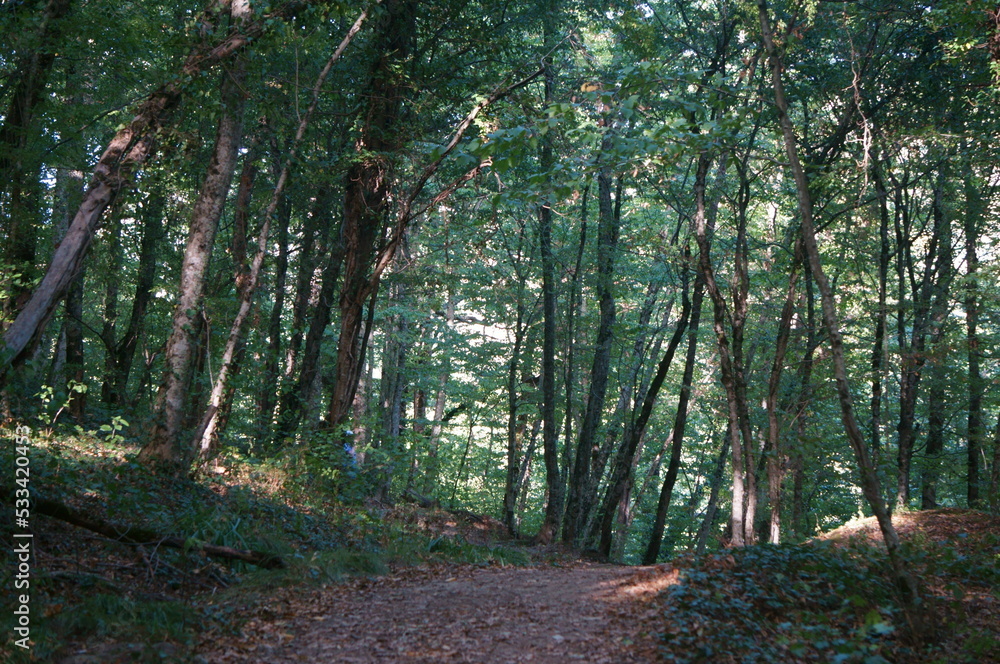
[{"x": 544, "y": 614}]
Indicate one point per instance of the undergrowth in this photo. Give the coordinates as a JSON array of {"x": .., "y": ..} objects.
[{"x": 817, "y": 602}]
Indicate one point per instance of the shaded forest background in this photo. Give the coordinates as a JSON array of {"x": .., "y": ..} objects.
[{"x": 637, "y": 277}]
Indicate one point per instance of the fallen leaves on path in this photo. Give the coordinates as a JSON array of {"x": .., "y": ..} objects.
[{"x": 450, "y": 613}]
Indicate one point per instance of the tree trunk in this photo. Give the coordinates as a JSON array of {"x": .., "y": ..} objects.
[
  {"x": 295, "y": 402},
  {"x": 775, "y": 455},
  {"x": 871, "y": 487},
  {"x": 550, "y": 451},
  {"x": 128, "y": 149},
  {"x": 930, "y": 306},
  {"x": 994, "y": 492},
  {"x": 247, "y": 280},
  {"x": 550, "y": 443},
  {"x": 723, "y": 322},
  {"x": 974, "y": 209},
  {"x": 113, "y": 391},
  {"x": 112, "y": 270},
  {"x": 801, "y": 410},
  {"x": 936, "y": 405},
  {"x": 166, "y": 444},
  {"x": 366, "y": 196},
  {"x": 708, "y": 521},
  {"x": 16, "y": 161},
  {"x": 515, "y": 419},
  {"x": 575, "y": 302},
  {"x": 609, "y": 224},
  {"x": 878, "y": 347},
  {"x": 680, "y": 424},
  {"x": 634, "y": 432},
  {"x": 316, "y": 233}
]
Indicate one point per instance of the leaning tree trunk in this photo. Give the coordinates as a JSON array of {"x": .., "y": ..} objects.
[
  {"x": 205, "y": 435},
  {"x": 129, "y": 148},
  {"x": 870, "y": 484},
  {"x": 680, "y": 424},
  {"x": 165, "y": 445},
  {"x": 635, "y": 429}
]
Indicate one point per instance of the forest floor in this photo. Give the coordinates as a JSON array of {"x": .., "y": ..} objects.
[{"x": 546, "y": 614}]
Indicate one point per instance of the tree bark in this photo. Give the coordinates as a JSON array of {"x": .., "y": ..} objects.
[
  {"x": 165, "y": 446},
  {"x": 205, "y": 435},
  {"x": 974, "y": 209},
  {"x": 609, "y": 224},
  {"x": 680, "y": 425},
  {"x": 871, "y": 487},
  {"x": 129, "y": 148},
  {"x": 366, "y": 195}
]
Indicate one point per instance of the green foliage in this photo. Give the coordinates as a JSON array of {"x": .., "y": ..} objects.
[{"x": 768, "y": 603}]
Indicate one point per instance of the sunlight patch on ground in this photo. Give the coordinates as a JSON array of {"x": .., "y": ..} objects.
[{"x": 646, "y": 582}]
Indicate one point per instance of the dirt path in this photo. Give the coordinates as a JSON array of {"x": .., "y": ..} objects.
[{"x": 546, "y": 614}]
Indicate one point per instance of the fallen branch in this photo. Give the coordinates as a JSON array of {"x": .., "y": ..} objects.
[{"x": 135, "y": 535}]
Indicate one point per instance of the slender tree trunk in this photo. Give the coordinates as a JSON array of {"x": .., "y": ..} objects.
[
  {"x": 247, "y": 285},
  {"x": 166, "y": 445},
  {"x": 554, "y": 478},
  {"x": 433, "y": 464},
  {"x": 878, "y": 347},
  {"x": 114, "y": 388},
  {"x": 113, "y": 270},
  {"x": 723, "y": 322},
  {"x": 128, "y": 149},
  {"x": 515, "y": 419},
  {"x": 869, "y": 479},
  {"x": 680, "y": 425},
  {"x": 936, "y": 405},
  {"x": 575, "y": 302},
  {"x": 931, "y": 304},
  {"x": 553, "y": 474},
  {"x": 802, "y": 402},
  {"x": 19, "y": 189},
  {"x": 316, "y": 234},
  {"x": 775, "y": 453},
  {"x": 607, "y": 243},
  {"x": 392, "y": 389},
  {"x": 974, "y": 209},
  {"x": 634, "y": 432},
  {"x": 708, "y": 521},
  {"x": 994, "y": 492},
  {"x": 295, "y": 401}
]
